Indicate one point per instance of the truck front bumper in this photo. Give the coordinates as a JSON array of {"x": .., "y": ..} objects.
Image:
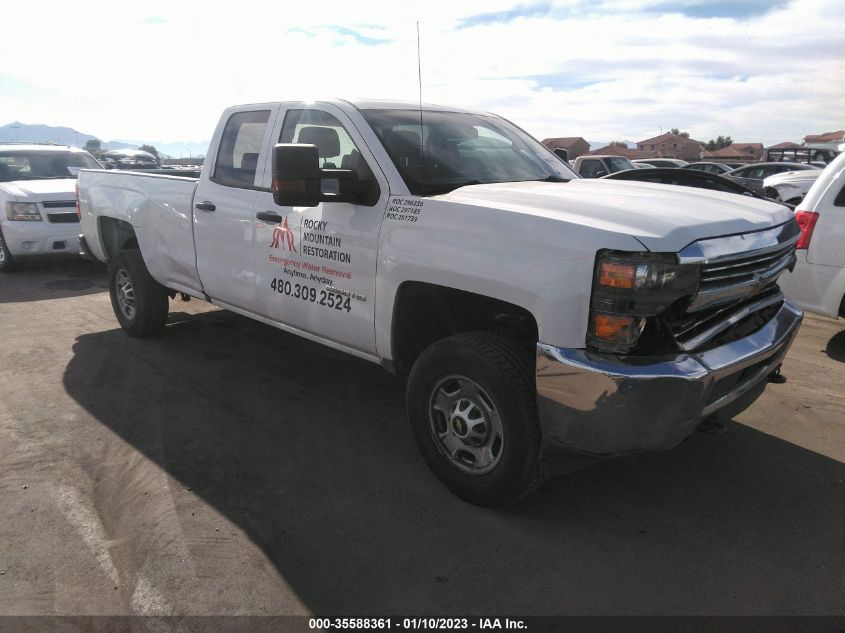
[{"x": 601, "y": 405}]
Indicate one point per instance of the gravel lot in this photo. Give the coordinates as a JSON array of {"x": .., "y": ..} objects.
[{"x": 230, "y": 468}]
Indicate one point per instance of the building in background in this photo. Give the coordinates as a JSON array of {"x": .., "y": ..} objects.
[
  {"x": 669, "y": 145},
  {"x": 575, "y": 146}
]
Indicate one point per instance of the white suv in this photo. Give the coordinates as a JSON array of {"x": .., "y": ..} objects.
[
  {"x": 818, "y": 281},
  {"x": 38, "y": 200}
]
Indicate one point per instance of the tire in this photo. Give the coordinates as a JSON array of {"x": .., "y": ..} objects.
[
  {"x": 472, "y": 407},
  {"x": 7, "y": 264},
  {"x": 140, "y": 303}
]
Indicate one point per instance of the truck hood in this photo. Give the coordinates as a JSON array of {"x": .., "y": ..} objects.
[
  {"x": 36, "y": 190},
  {"x": 664, "y": 218}
]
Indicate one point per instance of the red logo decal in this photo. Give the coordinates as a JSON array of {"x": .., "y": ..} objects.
[{"x": 283, "y": 230}]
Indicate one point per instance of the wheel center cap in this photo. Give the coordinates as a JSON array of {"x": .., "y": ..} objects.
[{"x": 459, "y": 426}]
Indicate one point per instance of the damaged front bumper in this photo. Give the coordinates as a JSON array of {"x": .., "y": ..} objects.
[{"x": 604, "y": 405}]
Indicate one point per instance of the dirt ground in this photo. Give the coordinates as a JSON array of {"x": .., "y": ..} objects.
[{"x": 230, "y": 468}]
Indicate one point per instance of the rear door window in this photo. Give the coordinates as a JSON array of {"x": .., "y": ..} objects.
[{"x": 237, "y": 158}]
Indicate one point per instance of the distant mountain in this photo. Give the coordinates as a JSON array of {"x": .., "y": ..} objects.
[
  {"x": 597, "y": 144},
  {"x": 17, "y": 131}
]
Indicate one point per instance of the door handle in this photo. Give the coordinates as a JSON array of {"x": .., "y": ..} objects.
[
  {"x": 268, "y": 216},
  {"x": 205, "y": 206}
]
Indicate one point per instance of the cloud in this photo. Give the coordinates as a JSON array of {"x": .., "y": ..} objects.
[
  {"x": 358, "y": 37},
  {"x": 737, "y": 9},
  {"x": 509, "y": 15}
]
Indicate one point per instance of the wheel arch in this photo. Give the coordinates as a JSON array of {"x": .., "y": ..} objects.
[
  {"x": 116, "y": 235},
  {"x": 424, "y": 313}
]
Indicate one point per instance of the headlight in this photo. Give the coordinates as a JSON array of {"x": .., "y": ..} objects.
[
  {"x": 628, "y": 289},
  {"x": 23, "y": 211}
]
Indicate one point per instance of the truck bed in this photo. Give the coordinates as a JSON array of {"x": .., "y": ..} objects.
[{"x": 159, "y": 207}]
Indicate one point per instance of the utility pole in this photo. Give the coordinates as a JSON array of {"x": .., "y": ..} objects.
[{"x": 15, "y": 128}]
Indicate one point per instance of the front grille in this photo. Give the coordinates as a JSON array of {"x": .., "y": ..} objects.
[
  {"x": 729, "y": 279},
  {"x": 738, "y": 292},
  {"x": 721, "y": 324},
  {"x": 62, "y": 218},
  {"x": 59, "y": 204}
]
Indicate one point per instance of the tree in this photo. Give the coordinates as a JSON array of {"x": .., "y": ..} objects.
[
  {"x": 618, "y": 144},
  {"x": 93, "y": 146},
  {"x": 149, "y": 148},
  {"x": 719, "y": 143},
  {"x": 677, "y": 132}
]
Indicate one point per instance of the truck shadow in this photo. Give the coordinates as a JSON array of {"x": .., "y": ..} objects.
[
  {"x": 53, "y": 278},
  {"x": 307, "y": 451}
]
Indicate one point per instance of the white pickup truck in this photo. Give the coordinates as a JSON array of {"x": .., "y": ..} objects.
[{"x": 535, "y": 314}]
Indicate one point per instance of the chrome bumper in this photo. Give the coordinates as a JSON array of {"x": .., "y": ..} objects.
[{"x": 601, "y": 405}]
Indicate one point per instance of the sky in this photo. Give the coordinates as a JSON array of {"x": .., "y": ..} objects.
[{"x": 757, "y": 70}]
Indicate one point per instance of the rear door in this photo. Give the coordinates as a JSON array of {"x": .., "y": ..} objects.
[
  {"x": 316, "y": 266},
  {"x": 224, "y": 205}
]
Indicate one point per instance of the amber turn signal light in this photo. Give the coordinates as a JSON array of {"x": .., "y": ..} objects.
[
  {"x": 617, "y": 275},
  {"x": 614, "y": 328}
]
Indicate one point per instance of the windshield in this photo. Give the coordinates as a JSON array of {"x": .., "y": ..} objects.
[
  {"x": 618, "y": 163},
  {"x": 42, "y": 165},
  {"x": 448, "y": 150}
]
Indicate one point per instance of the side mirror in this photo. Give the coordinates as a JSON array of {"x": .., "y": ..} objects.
[
  {"x": 298, "y": 179},
  {"x": 296, "y": 175}
]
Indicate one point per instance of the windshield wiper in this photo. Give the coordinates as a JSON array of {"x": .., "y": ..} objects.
[{"x": 550, "y": 179}]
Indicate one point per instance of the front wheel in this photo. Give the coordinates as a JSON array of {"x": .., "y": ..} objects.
[
  {"x": 471, "y": 405},
  {"x": 140, "y": 303}
]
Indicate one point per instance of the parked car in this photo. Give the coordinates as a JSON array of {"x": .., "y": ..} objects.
[
  {"x": 129, "y": 159},
  {"x": 669, "y": 163},
  {"x": 533, "y": 312},
  {"x": 38, "y": 200},
  {"x": 709, "y": 168},
  {"x": 818, "y": 280},
  {"x": 790, "y": 186},
  {"x": 752, "y": 176},
  {"x": 598, "y": 165},
  {"x": 684, "y": 178}
]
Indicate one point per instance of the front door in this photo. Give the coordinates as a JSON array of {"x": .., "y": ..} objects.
[{"x": 316, "y": 266}]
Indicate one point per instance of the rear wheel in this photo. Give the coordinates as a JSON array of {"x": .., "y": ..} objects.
[
  {"x": 7, "y": 264},
  {"x": 140, "y": 303},
  {"x": 471, "y": 404}
]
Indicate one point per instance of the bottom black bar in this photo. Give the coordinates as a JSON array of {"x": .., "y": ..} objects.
[{"x": 373, "y": 624}]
